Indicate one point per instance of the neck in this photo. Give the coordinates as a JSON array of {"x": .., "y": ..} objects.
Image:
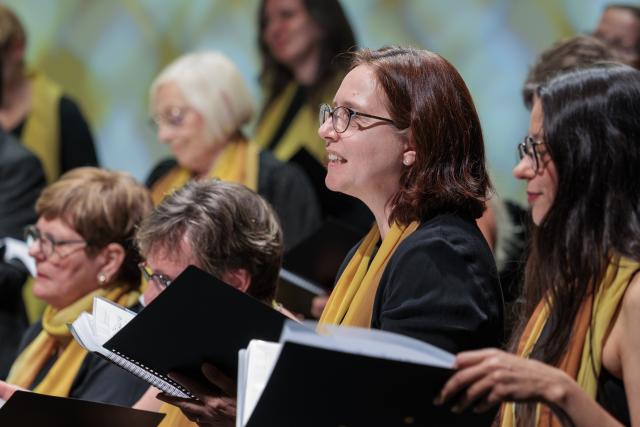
[
  {"x": 218, "y": 148},
  {"x": 305, "y": 70},
  {"x": 15, "y": 87}
]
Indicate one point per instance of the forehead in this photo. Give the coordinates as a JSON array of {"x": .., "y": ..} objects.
[
  {"x": 360, "y": 89},
  {"x": 168, "y": 94},
  {"x": 276, "y": 5},
  {"x": 168, "y": 259}
]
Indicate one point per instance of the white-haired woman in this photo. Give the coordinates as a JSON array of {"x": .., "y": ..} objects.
[{"x": 199, "y": 104}]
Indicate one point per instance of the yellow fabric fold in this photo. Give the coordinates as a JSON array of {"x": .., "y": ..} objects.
[
  {"x": 590, "y": 329},
  {"x": 55, "y": 336},
  {"x": 351, "y": 301},
  {"x": 41, "y": 133},
  {"x": 302, "y": 131},
  {"x": 174, "y": 417},
  {"x": 238, "y": 162}
]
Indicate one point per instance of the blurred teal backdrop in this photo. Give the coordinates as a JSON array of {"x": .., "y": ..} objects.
[{"x": 105, "y": 53}]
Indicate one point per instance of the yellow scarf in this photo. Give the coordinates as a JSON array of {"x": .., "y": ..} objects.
[
  {"x": 590, "y": 329},
  {"x": 41, "y": 133},
  {"x": 302, "y": 131},
  {"x": 238, "y": 162},
  {"x": 174, "y": 417},
  {"x": 55, "y": 334},
  {"x": 351, "y": 301}
]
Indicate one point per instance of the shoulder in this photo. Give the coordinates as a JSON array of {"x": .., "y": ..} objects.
[
  {"x": 453, "y": 234},
  {"x": 160, "y": 170},
  {"x": 630, "y": 310}
]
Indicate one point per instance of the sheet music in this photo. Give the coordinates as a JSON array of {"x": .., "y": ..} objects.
[{"x": 108, "y": 318}]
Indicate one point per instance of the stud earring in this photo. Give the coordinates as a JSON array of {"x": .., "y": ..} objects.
[
  {"x": 405, "y": 162},
  {"x": 102, "y": 279}
]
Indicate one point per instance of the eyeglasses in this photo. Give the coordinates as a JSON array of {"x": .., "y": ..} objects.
[
  {"x": 529, "y": 148},
  {"x": 173, "y": 117},
  {"x": 341, "y": 117},
  {"x": 48, "y": 243},
  {"x": 149, "y": 275}
]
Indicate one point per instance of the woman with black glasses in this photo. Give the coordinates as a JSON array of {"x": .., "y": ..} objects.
[
  {"x": 403, "y": 136},
  {"x": 576, "y": 345},
  {"x": 83, "y": 247}
]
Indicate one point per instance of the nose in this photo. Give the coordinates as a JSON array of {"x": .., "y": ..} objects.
[
  {"x": 165, "y": 132},
  {"x": 327, "y": 132},
  {"x": 35, "y": 250},
  {"x": 524, "y": 169}
]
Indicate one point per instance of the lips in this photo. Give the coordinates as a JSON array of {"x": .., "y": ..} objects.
[{"x": 532, "y": 196}]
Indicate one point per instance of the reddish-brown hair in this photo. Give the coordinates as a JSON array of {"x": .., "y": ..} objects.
[{"x": 427, "y": 97}]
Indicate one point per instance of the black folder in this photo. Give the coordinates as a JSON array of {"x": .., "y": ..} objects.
[
  {"x": 26, "y": 409},
  {"x": 310, "y": 267},
  {"x": 195, "y": 320},
  {"x": 312, "y": 386}
]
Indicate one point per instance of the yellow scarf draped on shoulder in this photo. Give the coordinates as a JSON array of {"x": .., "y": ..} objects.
[
  {"x": 351, "y": 301},
  {"x": 590, "y": 329},
  {"x": 238, "y": 162},
  {"x": 302, "y": 131},
  {"x": 55, "y": 337},
  {"x": 41, "y": 133}
]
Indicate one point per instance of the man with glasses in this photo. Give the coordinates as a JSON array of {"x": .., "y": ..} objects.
[{"x": 225, "y": 229}]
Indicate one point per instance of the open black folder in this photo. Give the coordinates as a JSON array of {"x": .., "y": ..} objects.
[
  {"x": 345, "y": 377},
  {"x": 195, "y": 320},
  {"x": 26, "y": 409}
]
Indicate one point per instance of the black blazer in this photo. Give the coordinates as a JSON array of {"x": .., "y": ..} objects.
[{"x": 441, "y": 286}]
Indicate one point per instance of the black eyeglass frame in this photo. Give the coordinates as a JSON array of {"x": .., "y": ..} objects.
[
  {"x": 533, "y": 154},
  {"x": 326, "y": 109},
  {"x": 31, "y": 232}
]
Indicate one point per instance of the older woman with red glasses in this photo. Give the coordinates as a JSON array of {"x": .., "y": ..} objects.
[{"x": 83, "y": 247}]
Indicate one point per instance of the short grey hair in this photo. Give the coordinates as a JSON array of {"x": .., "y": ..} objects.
[
  {"x": 227, "y": 226},
  {"x": 214, "y": 87}
]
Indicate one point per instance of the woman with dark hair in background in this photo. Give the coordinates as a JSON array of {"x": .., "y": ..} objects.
[
  {"x": 577, "y": 350},
  {"x": 302, "y": 45}
]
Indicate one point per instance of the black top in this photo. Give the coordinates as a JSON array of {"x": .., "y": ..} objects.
[
  {"x": 612, "y": 396},
  {"x": 76, "y": 143},
  {"x": 21, "y": 180},
  {"x": 97, "y": 380},
  {"x": 284, "y": 186},
  {"x": 441, "y": 286}
]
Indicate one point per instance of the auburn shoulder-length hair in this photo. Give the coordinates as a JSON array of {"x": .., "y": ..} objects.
[{"x": 427, "y": 98}]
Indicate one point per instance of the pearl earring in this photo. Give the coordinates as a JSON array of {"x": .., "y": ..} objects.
[{"x": 102, "y": 279}]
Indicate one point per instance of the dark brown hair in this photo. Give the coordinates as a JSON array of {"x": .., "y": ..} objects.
[
  {"x": 337, "y": 38},
  {"x": 427, "y": 98},
  {"x": 565, "y": 55},
  {"x": 103, "y": 207}
]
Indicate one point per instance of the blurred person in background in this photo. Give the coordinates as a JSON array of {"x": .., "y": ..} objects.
[
  {"x": 619, "y": 26},
  {"x": 303, "y": 45},
  {"x": 199, "y": 104},
  {"x": 35, "y": 109},
  {"x": 83, "y": 246}
]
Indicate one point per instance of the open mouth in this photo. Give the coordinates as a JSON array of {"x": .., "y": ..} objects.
[{"x": 335, "y": 159}]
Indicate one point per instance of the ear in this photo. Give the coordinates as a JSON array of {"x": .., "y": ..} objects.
[
  {"x": 409, "y": 157},
  {"x": 239, "y": 278},
  {"x": 111, "y": 259}
]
